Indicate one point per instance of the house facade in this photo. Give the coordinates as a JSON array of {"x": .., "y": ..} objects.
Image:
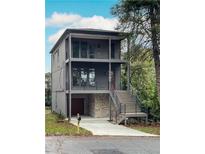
[{"x": 86, "y": 69}]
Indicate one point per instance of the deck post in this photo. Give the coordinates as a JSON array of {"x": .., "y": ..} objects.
[
  {"x": 109, "y": 76},
  {"x": 128, "y": 64},
  {"x": 70, "y": 76}
]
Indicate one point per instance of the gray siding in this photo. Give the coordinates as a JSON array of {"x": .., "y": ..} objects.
[{"x": 58, "y": 80}]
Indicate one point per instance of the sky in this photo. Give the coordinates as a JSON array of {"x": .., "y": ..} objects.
[{"x": 62, "y": 14}]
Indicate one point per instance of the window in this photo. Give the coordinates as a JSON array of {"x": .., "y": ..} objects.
[
  {"x": 112, "y": 51},
  {"x": 76, "y": 77},
  {"x": 84, "y": 77},
  {"x": 83, "y": 49},
  {"x": 76, "y": 49},
  {"x": 91, "y": 51},
  {"x": 92, "y": 77},
  {"x": 66, "y": 49}
]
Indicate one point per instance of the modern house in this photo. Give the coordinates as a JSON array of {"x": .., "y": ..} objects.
[{"x": 86, "y": 75}]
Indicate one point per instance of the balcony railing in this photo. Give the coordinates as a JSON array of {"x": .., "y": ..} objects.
[{"x": 87, "y": 87}]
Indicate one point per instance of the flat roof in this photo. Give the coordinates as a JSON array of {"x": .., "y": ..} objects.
[{"x": 88, "y": 31}]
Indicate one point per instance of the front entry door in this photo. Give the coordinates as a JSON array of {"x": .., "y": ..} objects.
[{"x": 77, "y": 106}]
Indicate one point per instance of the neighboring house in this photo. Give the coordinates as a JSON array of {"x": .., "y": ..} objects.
[{"x": 86, "y": 70}]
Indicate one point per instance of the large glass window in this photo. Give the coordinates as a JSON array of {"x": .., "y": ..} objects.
[
  {"x": 91, "y": 51},
  {"x": 76, "y": 49},
  {"x": 92, "y": 77},
  {"x": 76, "y": 77},
  {"x": 112, "y": 50},
  {"x": 83, "y": 49},
  {"x": 84, "y": 77}
]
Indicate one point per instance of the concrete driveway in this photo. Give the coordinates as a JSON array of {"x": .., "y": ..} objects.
[
  {"x": 101, "y": 126},
  {"x": 102, "y": 145}
]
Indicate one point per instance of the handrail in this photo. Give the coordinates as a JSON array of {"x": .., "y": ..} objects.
[
  {"x": 133, "y": 92},
  {"x": 118, "y": 105},
  {"x": 115, "y": 100}
]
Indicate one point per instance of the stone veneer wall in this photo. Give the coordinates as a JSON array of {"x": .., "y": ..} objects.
[
  {"x": 91, "y": 105},
  {"x": 101, "y": 105}
]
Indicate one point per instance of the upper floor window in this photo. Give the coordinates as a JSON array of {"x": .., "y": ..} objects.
[
  {"x": 91, "y": 51},
  {"x": 83, "y": 77},
  {"x": 92, "y": 77},
  {"x": 84, "y": 49},
  {"x": 76, "y": 77},
  {"x": 76, "y": 47},
  {"x": 112, "y": 51}
]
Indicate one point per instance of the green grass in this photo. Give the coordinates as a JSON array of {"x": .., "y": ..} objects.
[
  {"x": 147, "y": 129},
  {"x": 53, "y": 127}
]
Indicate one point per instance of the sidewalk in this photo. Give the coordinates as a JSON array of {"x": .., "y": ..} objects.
[{"x": 101, "y": 126}]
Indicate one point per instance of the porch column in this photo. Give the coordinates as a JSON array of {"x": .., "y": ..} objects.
[
  {"x": 128, "y": 64},
  {"x": 109, "y": 63},
  {"x": 65, "y": 81},
  {"x": 69, "y": 76},
  {"x": 109, "y": 76}
]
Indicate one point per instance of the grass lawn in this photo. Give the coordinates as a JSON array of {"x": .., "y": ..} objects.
[
  {"x": 53, "y": 127},
  {"x": 147, "y": 129}
]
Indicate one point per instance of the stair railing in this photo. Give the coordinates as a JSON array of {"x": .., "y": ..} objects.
[
  {"x": 116, "y": 104},
  {"x": 133, "y": 93},
  {"x": 119, "y": 107}
]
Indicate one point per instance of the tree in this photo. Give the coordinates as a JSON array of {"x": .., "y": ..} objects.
[
  {"x": 48, "y": 88},
  {"x": 141, "y": 18},
  {"x": 143, "y": 79}
]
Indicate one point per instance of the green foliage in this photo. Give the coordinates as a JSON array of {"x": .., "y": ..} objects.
[
  {"x": 141, "y": 19},
  {"x": 143, "y": 79}
]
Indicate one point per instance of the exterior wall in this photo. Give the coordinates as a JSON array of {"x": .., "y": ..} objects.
[
  {"x": 91, "y": 105},
  {"x": 58, "y": 80},
  {"x": 101, "y": 105},
  {"x": 95, "y": 105}
]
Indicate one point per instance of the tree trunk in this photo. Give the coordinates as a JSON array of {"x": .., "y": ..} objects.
[{"x": 155, "y": 45}]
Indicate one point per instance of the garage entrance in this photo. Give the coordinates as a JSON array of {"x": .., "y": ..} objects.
[{"x": 77, "y": 106}]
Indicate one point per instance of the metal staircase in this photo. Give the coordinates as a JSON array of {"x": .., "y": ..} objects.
[{"x": 126, "y": 106}]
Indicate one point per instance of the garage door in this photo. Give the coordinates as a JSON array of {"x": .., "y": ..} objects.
[{"x": 77, "y": 106}]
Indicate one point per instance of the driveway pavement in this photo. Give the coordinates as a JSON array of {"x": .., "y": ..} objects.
[
  {"x": 101, "y": 126},
  {"x": 102, "y": 145}
]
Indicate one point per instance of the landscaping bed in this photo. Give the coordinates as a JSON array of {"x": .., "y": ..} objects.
[
  {"x": 152, "y": 129},
  {"x": 56, "y": 125}
]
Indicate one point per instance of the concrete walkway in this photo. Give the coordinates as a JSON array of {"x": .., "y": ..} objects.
[{"x": 101, "y": 126}]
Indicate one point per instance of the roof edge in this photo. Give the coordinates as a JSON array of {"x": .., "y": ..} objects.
[{"x": 69, "y": 30}]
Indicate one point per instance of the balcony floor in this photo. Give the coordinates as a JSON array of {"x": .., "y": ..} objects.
[{"x": 88, "y": 91}]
